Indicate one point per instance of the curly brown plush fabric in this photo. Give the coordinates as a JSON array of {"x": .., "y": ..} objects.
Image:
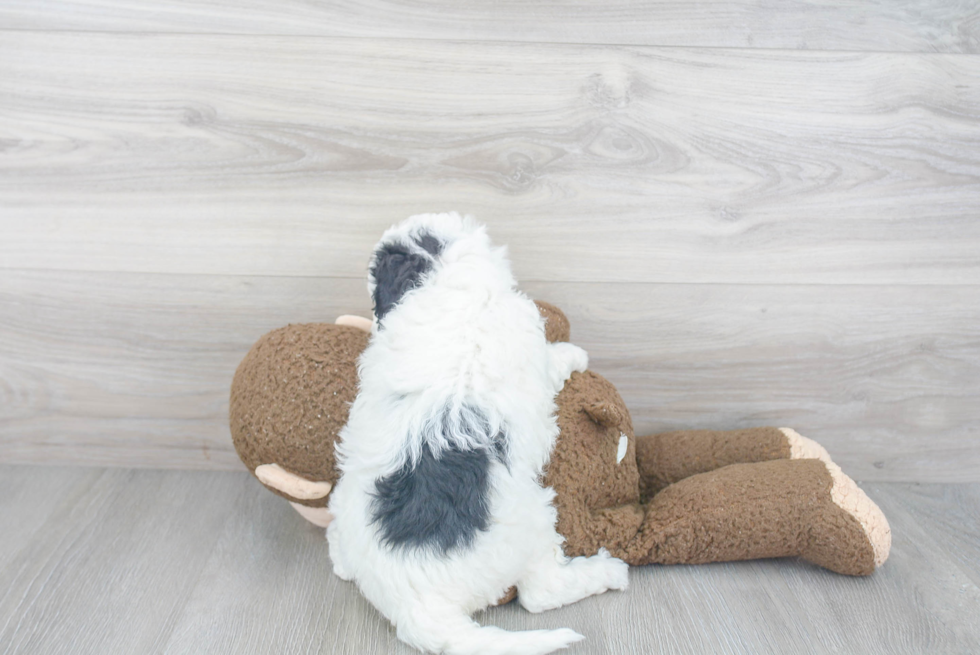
[
  {"x": 290, "y": 398},
  {"x": 720, "y": 495},
  {"x": 679, "y": 497},
  {"x": 556, "y": 326},
  {"x": 596, "y": 497},
  {"x": 778, "y": 508},
  {"x": 670, "y": 457},
  {"x": 291, "y": 394}
]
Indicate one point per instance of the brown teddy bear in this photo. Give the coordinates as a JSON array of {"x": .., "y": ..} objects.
[{"x": 682, "y": 497}]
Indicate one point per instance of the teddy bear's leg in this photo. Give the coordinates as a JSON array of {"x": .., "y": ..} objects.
[
  {"x": 780, "y": 508},
  {"x": 666, "y": 458}
]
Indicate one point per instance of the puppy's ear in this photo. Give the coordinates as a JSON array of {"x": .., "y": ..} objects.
[
  {"x": 427, "y": 242},
  {"x": 605, "y": 414},
  {"x": 395, "y": 272}
]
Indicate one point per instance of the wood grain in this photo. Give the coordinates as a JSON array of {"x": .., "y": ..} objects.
[
  {"x": 284, "y": 156},
  {"x": 269, "y": 587},
  {"x": 885, "y": 377},
  {"x": 879, "y": 25},
  {"x": 946, "y": 518},
  {"x": 741, "y": 236},
  {"x": 28, "y": 499},
  {"x": 106, "y": 571},
  {"x": 191, "y": 562},
  {"x": 135, "y": 369}
]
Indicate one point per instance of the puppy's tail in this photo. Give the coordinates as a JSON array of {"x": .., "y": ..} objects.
[{"x": 458, "y": 634}]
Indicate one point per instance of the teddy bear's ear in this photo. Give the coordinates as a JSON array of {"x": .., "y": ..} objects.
[
  {"x": 556, "y": 326},
  {"x": 605, "y": 414}
]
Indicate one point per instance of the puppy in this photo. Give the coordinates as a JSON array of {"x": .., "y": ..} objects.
[{"x": 439, "y": 509}]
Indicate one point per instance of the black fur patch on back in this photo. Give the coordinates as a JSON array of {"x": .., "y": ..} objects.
[
  {"x": 396, "y": 271},
  {"x": 429, "y": 243},
  {"x": 438, "y": 503}
]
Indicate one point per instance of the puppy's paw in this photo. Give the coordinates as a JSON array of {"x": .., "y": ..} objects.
[
  {"x": 341, "y": 572},
  {"x": 571, "y": 581},
  {"x": 566, "y": 358},
  {"x": 577, "y": 358},
  {"x": 616, "y": 570},
  {"x": 339, "y": 569},
  {"x": 602, "y": 572}
]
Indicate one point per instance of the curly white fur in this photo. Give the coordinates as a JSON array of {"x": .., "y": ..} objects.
[{"x": 464, "y": 336}]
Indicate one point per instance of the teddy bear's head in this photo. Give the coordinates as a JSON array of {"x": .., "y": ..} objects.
[
  {"x": 292, "y": 393},
  {"x": 593, "y": 466},
  {"x": 291, "y": 396}
]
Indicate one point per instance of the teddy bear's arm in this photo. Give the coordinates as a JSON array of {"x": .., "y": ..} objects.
[{"x": 669, "y": 457}]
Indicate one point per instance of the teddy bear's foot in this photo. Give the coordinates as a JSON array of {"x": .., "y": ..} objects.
[
  {"x": 803, "y": 507},
  {"x": 318, "y": 516},
  {"x": 826, "y": 546},
  {"x": 849, "y": 534},
  {"x": 801, "y": 447}
]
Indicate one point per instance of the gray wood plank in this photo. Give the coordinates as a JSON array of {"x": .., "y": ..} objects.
[
  {"x": 285, "y": 156},
  {"x": 108, "y": 571},
  {"x": 857, "y": 368},
  {"x": 135, "y": 369},
  {"x": 269, "y": 588},
  {"x": 179, "y": 561},
  {"x": 924, "y": 577},
  {"x": 943, "y": 518},
  {"x": 28, "y": 499},
  {"x": 769, "y": 606},
  {"x": 918, "y": 602},
  {"x": 906, "y": 25}
]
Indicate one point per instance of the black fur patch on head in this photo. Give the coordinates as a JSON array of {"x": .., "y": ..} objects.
[
  {"x": 439, "y": 502},
  {"x": 396, "y": 271},
  {"x": 429, "y": 243}
]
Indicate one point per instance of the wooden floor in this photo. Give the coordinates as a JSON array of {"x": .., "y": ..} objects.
[{"x": 96, "y": 560}]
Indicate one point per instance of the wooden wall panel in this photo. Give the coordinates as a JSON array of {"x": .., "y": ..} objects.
[
  {"x": 887, "y": 378},
  {"x": 742, "y": 236},
  {"x": 134, "y": 369},
  {"x": 283, "y": 156},
  {"x": 878, "y": 25}
]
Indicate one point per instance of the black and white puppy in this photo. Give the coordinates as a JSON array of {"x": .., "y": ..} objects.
[{"x": 439, "y": 509}]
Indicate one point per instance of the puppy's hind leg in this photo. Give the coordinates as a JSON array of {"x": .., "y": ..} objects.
[
  {"x": 554, "y": 580},
  {"x": 437, "y": 626}
]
